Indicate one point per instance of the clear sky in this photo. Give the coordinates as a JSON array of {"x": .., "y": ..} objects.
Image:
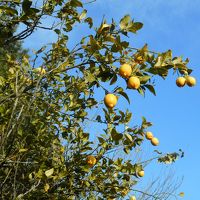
[{"x": 171, "y": 24}]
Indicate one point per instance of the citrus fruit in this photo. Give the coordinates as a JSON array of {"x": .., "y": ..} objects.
[
  {"x": 125, "y": 70},
  {"x": 132, "y": 198},
  {"x": 149, "y": 135},
  {"x": 180, "y": 81},
  {"x": 155, "y": 141},
  {"x": 191, "y": 81},
  {"x": 91, "y": 160},
  {"x": 141, "y": 173},
  {"x": 110, "y": 100},
  {"x": 134, "y": 82}
]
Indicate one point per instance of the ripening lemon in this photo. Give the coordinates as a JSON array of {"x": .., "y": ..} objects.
[
  {"x": 141, "y": 173},
  {"x": 180, "y": 81},
  {"x": 134, "y": 82},
  {"x": 191, "y": 81},
  {"x": 125, "y": 70},
  {"x": 149, "y": 135},
  {"x": 132, "y": 198},
  {"x": 155, "y": 141},
  {"x": 91, "y": 160},
  {"x": 110, "y": 100}
]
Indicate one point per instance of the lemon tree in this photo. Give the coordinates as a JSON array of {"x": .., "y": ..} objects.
[{"x": 47, "y": 97}]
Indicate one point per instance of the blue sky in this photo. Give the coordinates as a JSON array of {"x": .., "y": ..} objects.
[{"x": 172, "y": 24}]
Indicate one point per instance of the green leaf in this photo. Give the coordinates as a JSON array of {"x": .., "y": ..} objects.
[
  {"x": 115, "y": 48},
  {"x": 128, "y": 116},
  {"x": 83, "y": 15},
  {"x": 116, "y": 117},
  {"x": 9, "y": 11},
  {"x": 32, "y": 11},
  {"x": 144, "y": 79},
  {"x": 124, "y": 95},
  {"x": 164, "y": 59},
  {"x": 124, "y": 44},
  {"x": 49, "y": 172},
  {"x": 90, "y": 78},
  {"x": 124, "y": 22},
  {"x": 101, "y": 140},
  {"x": 138, "y": 25},
  {"x": 129, "y": 137},
  {"x": 113, "y": 80},
  {"x": 126, "y": 150},
  {"x": 46, "y": 187},
  {"x": 2, "y": 81},
  {"x": 94, "y": 45},
  {"x": 118, "y": 89},
  {"x": 134, "y": 27},
  {"x": 23, "y": 150},
  {"x": 151, "y": 89},
  {"x": 89, "y": 21},
  {"x": 57, "y": 31},
  {"x": 158, "y": 71},
  {"x": 26, "y": 5},
  {"x": 104, "y": 27},
  {"x": 76, "y": 3},
  {"x": 141, "y": 91},
  {"x": 115, "y": 135}
]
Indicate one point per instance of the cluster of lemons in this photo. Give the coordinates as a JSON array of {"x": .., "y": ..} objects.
[
  {"x": 133, "y": 82},
  {"x": 154, "y": 140},
  {"x": 110, "y": 100},
  {"x": 125, "y": 71},
  {"x": 189, "y": 80}
]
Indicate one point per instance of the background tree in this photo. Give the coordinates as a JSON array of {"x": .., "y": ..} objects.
[
  {"x": 45, "y": 150},
  {"x": 7, "y": 29}
]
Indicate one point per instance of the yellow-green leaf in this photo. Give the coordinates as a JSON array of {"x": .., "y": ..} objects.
[
  {"x": 46, "y": 187},
  {"x": 125, "y": 21},
  {"x": 23, "y": 150},
  {"x": 49, "y": 172},
  {"x": 83, "y": 14}
]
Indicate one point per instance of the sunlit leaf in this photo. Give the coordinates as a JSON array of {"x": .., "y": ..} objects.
[
  {"x": 125, "y": 21},
  {"x": 49, "y": 172}
]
